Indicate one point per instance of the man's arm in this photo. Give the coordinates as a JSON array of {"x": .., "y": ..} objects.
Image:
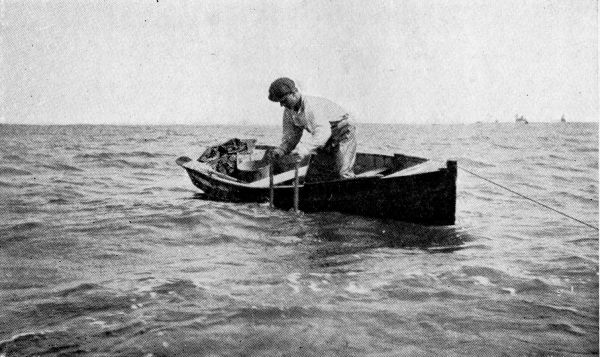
[
  {"x": 321, "y": 133},
  {"x": 291, "y": 134}
]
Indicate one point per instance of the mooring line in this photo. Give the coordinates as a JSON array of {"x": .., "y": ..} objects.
[{"x": 528, "y": 198}]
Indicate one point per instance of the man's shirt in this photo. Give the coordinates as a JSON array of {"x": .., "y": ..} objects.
[{"x": 315, "y": 115}]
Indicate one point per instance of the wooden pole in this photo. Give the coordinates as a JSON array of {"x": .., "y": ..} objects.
[
  {"x": 296, "y": 188},
  {"x": 271, "y": 188}
]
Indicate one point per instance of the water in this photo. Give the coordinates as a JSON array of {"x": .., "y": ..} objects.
[{"x": 106, "y": 249}]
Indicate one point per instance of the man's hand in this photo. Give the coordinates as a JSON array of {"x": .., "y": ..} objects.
[
  {"x": 299, "y": 153},
  {"x": 274, "y": 154}
]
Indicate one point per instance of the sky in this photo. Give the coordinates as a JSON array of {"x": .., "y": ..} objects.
[{"x": 211, "y": 62}]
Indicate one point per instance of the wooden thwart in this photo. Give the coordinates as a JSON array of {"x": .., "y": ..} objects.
[{"x": 279, "y": 178}]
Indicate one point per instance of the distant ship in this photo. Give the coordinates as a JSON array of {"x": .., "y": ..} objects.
[
  {"x": 520, "y": 119},
  {"x": 562, "y": 119}
]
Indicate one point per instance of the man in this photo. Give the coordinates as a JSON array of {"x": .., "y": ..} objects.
[{"x": 333, "y": 141}]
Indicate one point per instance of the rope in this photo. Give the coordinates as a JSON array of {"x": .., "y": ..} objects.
[{"x": 530, "y": 199}]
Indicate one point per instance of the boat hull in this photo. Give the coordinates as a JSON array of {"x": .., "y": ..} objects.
[{"x": 426, "y": 198}]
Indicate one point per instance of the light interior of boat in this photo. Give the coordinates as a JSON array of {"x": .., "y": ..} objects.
[{"x": 254, "y": 165}]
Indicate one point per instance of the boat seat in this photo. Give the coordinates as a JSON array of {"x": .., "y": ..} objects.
[
  {"x": 372, "y": 173},
  {"x": 279, "y": 178}
]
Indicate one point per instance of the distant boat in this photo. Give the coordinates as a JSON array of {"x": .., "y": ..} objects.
[
  {"x": 562, "y": 119},
  {"x": 521, "y": 119}
]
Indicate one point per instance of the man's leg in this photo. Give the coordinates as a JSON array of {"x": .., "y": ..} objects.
[
  {"x": 337, "y": 159},
  {"x": 345, "y": 155}
]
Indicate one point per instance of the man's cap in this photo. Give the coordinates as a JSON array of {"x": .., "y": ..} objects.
[{"x": 280, "y": 88}]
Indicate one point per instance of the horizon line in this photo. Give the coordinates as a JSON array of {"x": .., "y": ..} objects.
[{"x": 277, "y": 125}]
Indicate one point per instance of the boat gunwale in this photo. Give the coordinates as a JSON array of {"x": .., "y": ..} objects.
[
  {"x": 214, "y": 175},
  {"x": 211, "y": 174}
]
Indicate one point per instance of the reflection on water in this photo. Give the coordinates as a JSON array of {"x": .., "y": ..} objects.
[{"x": 340, "y": 234}]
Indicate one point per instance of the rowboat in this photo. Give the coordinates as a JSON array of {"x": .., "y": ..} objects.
[{"x": 398, "y": 187}]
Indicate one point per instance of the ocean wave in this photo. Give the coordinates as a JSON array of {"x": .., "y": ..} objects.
[
  {"x": 83, "y": 303},
  {"x": 62, "y": 167},
  {"x": 587, "y": 149},
  {"x": 65, "y": 192},
  {"x": 212, "y": 240},
  {"x": 534, "y": 286},
  {"x": 532, "y": 185},
  {"x": 146, "y": 154},
  {"x": 555, "y": 167},
  {"x": 115, "y": 155},
  {"x": 561, "y": 178},
  {"x": 7, "y": 240},
  {"x": 59, "y": 201},
  {"x": 25, "y": 226},
  {"x": 181, "y": 287},
  {"x": 567, "y": 327},
  {"x": 472, "y": 163},
  {"x": 584, "y": 240},
  {"x": 559, "y": 157},
  {"x": 424, "y": 293},
  {"x": 11, "y": 171},
  {"x": 593, "y": 164},
  {"x": 272, "y": 313},
  {"x": 575, "y": 197},
  {"x": 180, "y": 189},
  {"x": 153, "y": 189},
  {"x": 576, "y": 140},
  {"x": 508, "y": 147},
  {"x": 491, "y": 275},
  {"x": 81, "y": 288},
  {"x": 143, "y": 175},
  {"x": 164, "y": 221},
  {"x": 36, "y": 343},
  {"x": 9, "y": 184},
  {"x": 62, "y": 181},
  {"x": 128, "y": 164},
  {"x": 552, "y": 310}
]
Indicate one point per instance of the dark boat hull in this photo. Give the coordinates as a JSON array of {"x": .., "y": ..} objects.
[{"x": 426, "y": 198}]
